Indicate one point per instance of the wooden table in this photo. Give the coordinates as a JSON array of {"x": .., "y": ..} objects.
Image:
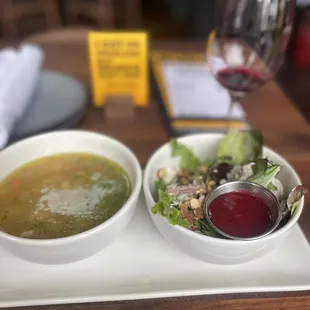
[{"x": 269, "y": 109}]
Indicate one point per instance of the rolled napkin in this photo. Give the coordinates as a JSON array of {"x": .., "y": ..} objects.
[{"x": 19, "y": 73}]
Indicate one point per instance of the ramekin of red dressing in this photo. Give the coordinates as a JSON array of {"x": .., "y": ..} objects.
[{"x": 242, "y": 210}]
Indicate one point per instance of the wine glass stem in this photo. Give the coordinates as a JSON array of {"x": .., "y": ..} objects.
[{"x": 233, "y": 101}]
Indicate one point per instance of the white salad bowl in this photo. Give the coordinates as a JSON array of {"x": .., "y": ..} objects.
[
  {"x": 80, "y": 246},
  {"x": 209, "y": 249}
]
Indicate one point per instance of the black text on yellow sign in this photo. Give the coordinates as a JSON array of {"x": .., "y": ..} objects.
[{"x": 119, "y": 66}]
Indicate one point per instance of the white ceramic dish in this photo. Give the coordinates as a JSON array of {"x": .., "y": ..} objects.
[
  {"x": 77, "y": 247},
  {"x": 215, "y": 250},
  {"x": 140, "y": 264}
]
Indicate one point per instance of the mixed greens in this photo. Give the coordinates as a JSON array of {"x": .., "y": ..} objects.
[{"x": 239, "y": 156}]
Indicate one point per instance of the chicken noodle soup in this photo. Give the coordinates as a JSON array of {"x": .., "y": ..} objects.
[{"x": 61, "y": 195}]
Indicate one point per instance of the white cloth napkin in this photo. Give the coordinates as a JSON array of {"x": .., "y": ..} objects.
[{"x": 19, "y": 73}]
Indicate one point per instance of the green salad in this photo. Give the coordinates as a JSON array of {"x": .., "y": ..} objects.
[{"x": 239, "y": 156}]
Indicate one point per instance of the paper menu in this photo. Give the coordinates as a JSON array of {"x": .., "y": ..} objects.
[{"x": 194, "y": 93}]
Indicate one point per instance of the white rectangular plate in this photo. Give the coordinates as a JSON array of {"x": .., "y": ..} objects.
[{"x": 141, "y": 265}]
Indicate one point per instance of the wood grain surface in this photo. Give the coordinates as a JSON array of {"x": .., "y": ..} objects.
[{"x": 284, "y": 129}]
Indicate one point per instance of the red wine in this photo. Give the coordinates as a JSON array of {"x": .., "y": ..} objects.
[{"x": 240, "y": 79}]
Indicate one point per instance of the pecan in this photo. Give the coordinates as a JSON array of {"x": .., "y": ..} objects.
[
  {"x": 183, "y": 173},
  {"x": 187, "y": 202},
  {"x": 195, "y": 203},
  {"x": 211, "y": 185},
  {"x": 184, "y": 181},
  {"x": 184, "y": 210},
  {"x": 194, "y": 228},
  {"x": 202, "y": 190},
  {"x": 161, "y": 173},
  {"x": 199, "y": 213},
  {"x": 190, "y": 217},
  {"x": 203, "y": 169}
]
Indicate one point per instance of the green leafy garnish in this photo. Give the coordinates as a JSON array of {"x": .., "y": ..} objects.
[
  {"x": 240, "y": 147},
  {"x": 160, "y": 184},
  {"x": 272, "y": 187},
  {"x": 207, "y": 230},
  {"x": 260, "y": 165},
  {"x": 265, "y": 174},
  {"x": 163, "y": 207},
  {"x": 188, "y": 160},
  {"x": 294, "y": 198},
  {"x": 207, "y": 163},
  {"x": 293, "y": 208}
]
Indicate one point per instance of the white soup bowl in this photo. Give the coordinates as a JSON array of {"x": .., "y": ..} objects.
[{"x": 80, "y": 246}]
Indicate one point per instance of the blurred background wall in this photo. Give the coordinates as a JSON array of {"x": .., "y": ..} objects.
[{"x": 163, "y": 19}]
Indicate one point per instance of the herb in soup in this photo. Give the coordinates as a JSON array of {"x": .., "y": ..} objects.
[{"x": 61, "y": 195}]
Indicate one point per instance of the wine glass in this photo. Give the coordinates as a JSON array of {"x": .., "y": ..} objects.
[{"x": 248, "y": 44}]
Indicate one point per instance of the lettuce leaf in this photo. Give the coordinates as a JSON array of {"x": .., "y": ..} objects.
[
  {"x": 294, "y": 206},
  {"x": 264, "y": 172},
  {"x": 207, "y": 230},
  {"x": 160, "y": 184},
  {"x": 293, "y": 201},
  {"x": 163, "y": 207},
  {"x": 188, "y": 160},
  {"x": 259, "y": 165},
  {"x": 239, "y": 147}
]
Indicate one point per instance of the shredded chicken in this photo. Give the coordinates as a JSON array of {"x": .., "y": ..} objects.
[{"x": 184, "y": 190}]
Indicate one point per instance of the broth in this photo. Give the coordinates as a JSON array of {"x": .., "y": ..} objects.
[{"x": 61, "y": 195}]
